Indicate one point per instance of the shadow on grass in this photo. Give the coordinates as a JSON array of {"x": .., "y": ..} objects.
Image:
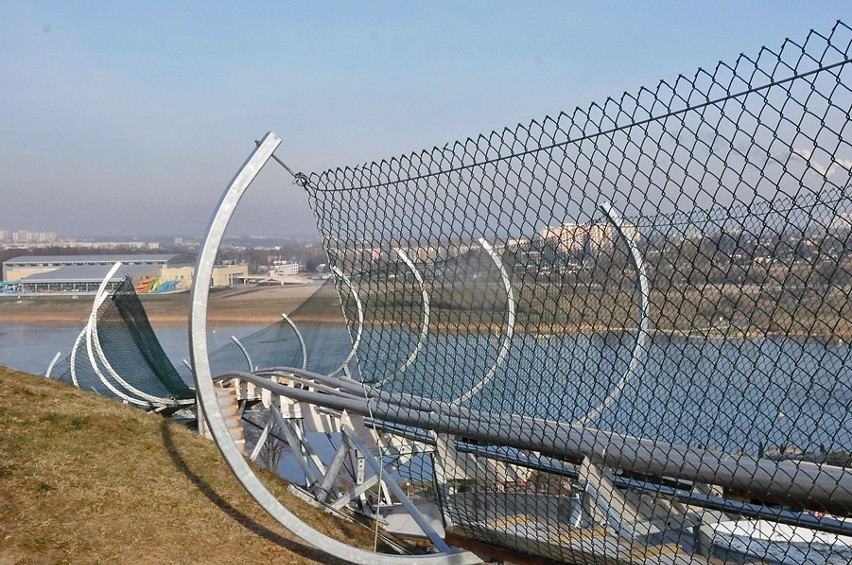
[{"x": 246, "y": 521}]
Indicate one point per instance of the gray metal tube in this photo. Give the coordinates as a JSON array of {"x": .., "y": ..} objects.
[
  {"x": 245, "y": 352},
  {"x": 782, "y": 516},
  {"x": 797, "y": 482},
  {"x": 300, "y": 338}
]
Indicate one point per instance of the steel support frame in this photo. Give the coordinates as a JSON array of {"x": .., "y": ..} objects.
[
  {"x": 199, "y": 357},
  {"x": 823, "y": 485}
]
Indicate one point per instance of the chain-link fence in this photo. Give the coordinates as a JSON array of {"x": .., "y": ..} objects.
[
  {"x": 618, "y": 335},
  {"x": 634, "y": 319}
]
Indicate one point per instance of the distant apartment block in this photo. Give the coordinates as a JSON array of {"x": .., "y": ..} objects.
[
  {"x": 27, "y": 236},
  {"x": 575, "y": 238},
  {"x": 282, "y": 268}
]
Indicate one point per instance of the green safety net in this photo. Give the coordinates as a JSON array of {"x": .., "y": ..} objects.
[{"x": 130, "y": 349}]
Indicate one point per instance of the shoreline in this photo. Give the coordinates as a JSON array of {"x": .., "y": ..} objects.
[
  {"x": 249, "y": 306},
  {"x": 259, "y": 306},
  {"x": 264, "y": 306}
]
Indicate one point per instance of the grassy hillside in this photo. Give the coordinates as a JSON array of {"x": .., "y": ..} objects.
[{"x": 87, "y": 480}]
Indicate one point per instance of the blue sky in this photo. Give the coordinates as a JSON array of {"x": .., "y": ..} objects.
[{"x": 120, "y": 118}]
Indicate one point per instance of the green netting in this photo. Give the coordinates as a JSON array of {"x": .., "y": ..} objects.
[
  {"x": 326, "y": 337},
  {"x": 130, "y": 350},
  {"x": 128, "y": 317}
]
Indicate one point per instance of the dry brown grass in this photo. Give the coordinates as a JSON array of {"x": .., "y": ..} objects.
[{"x": 86, "y": 480}]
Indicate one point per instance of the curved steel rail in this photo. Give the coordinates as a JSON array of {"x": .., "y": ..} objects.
[
  {"x": 357, "y": 341},
  {"x": 639, "y": 345},
  {"x": 52, "y": 364},
  {"x": 245, "y": 352},
  {"x": 72, "y": 364},
  {"x": 506, "y": 339},
  {"x": 424, "y": 328},
  {"x": 207, "y": 394},
  {"x": 300, "y": 338}
]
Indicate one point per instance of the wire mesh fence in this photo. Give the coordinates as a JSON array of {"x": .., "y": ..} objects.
[
  {"x": 314, "y": 336},
  {"x": 649, "y": 295}
]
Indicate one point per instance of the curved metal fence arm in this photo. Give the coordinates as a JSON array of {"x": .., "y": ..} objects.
[
  {"x": 424, "y": 328},
  {"x": 639, "y": 345},
  {"x": 207, "y": 394},
  {"x": 245, "y": 352},
  {"x": 506, "y": 339},
  {"x": 360, "y": 320},
  {"x": 300, "y": 338},
  {"x": 52, "y": 363},
  {"x": 72, "y": 364}
]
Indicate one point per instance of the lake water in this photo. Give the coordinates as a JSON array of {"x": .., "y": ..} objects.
[
  {"x": 30, "y": 348},
  {"x": 729, "y": 394}
]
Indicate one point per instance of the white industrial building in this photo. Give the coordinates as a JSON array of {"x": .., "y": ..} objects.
[{"x": 82, "y": 274}]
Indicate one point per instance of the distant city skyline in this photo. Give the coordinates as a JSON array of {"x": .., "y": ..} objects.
[
  {"x": 131, "y": 119},
  {"x": 27, "y": 236},
  {"x": 31, "y": 236}
]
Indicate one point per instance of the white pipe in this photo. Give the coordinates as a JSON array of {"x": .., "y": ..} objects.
[
  {"x": 73, "y": 363},
  {"x": 52, "y": 363}
]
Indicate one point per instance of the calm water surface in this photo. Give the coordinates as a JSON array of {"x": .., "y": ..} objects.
[
  {"x": 31, "y": 347},
  {"x": 728, "y": 394}
]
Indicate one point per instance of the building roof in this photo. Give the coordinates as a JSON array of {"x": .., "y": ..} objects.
[
  {"x": 86, "y": 273},
  {"x": 158, "y": 258}
]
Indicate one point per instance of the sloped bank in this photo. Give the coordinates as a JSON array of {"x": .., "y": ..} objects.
[{"x": 86, "y": 480}]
